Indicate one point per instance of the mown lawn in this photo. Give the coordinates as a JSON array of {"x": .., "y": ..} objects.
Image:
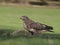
[{"x": 10, "y": 20}]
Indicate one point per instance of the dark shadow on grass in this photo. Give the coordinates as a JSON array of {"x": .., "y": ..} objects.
[
  {"x": 4, "y": 32},
  {"x": 3, "y": 35},
  {"x": 50, "y": 36}
]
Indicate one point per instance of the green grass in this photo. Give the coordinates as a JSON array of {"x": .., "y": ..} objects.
[{"x": 10, "y": 20}]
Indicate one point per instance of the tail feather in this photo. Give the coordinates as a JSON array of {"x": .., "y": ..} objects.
[{"x": 49, "y": 27}]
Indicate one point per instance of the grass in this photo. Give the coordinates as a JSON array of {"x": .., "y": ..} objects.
[{"x": 9, "y": 21}]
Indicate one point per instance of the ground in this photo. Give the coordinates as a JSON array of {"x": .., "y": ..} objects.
[{"x": 10, "y": 21}]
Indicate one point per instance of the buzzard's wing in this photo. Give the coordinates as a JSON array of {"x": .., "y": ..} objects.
[{"x": 37, "y": 26}]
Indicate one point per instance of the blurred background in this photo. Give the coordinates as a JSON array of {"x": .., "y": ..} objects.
[
  {"x": 42, "y": 11},
  {"x": 32, "y": 2}
]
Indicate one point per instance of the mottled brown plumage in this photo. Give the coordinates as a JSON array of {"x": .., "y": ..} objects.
[{"x": 33, "y": 26}]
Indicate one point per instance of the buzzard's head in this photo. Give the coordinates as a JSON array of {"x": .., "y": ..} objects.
[{"x": 24, "y": 18}]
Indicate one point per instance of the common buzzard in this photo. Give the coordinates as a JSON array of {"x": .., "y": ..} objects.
[{"x": 35, "y": 27}]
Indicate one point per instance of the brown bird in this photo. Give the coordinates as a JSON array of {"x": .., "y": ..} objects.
[{"x": 34, "y": 27}]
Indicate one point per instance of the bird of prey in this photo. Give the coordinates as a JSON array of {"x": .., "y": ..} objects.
[{"x": 33, "y": 26}]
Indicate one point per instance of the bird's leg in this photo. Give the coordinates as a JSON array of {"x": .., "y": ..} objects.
[{"x": 32, "y": 33}]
